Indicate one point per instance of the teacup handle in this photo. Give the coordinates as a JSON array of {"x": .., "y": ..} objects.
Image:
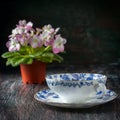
[{"x": 100, "y": 89}]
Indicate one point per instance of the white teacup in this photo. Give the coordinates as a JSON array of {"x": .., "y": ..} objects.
[{"x": 77, "y": 87}]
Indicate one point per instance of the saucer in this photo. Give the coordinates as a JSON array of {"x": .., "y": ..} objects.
[{"x": 48, "y": 97}]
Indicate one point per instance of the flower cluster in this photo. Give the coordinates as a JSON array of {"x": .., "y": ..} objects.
[
  {"x": 24, "y": 34},
  {"x": 27, "y": 44}
]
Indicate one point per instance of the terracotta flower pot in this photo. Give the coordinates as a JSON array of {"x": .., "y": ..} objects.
[{"x": 33, "y": 73}]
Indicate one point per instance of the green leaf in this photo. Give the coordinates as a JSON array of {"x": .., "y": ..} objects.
[
  {"x": 27, "y": 55},
  {"x": 8, "y": 61},
  {"x": 47, "y": 49},
  {"x": 19, "y": 60},
  {"x": 48, "y": 54},
  {"x": 28, "y": 61},
  {"x": 9, "y": 54},
  {"x": 47, "y": 57},
  {"x": 58, "y": 58},
  {"x": 39, "y": 53},
  {"x": 45, "y": 60},
  {"x": 16, "y": 61}
]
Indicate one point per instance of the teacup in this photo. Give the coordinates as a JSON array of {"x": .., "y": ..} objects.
[{"x": 77, "y": 87}]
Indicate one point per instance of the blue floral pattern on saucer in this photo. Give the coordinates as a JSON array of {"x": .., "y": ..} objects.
[{"x": 49, "y": 97}]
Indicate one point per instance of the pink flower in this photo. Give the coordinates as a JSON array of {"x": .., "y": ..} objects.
[
  {"x": 29, "y": 26},
  {"x": 35, "y": 41},
  {"x": 25, "y": 35},
  {"x": 23, "y": 38},
  {"x": 46, "y": 38},
  {"x": 23, "y": 32},
  {"x": 58, "y": 44},
  {"x": 48, "y": 35},
  {"x": 48, "y": 28},
  {"x": 22, "y": 23},
  {"x": 13, "y": 45}
]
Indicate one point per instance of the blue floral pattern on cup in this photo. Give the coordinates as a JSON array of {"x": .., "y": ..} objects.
[
  {"x": 68, "y": 84},
  {"x": 77, "y": 77}
]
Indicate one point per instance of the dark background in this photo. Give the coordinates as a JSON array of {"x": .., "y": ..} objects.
[{"x": 92, "y": 27}]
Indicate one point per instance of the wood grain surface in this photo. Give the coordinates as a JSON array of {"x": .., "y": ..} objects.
[{"x": 17, "y": 99}]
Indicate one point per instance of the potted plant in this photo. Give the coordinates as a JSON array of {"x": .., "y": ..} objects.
[{"x": 32, "y": 48}]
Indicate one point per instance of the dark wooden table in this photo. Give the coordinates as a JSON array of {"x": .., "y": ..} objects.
[{"x": 17, "y": 101}]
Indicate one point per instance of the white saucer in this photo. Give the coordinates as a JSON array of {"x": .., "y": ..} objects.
[{"x": 50, "y": 98}]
